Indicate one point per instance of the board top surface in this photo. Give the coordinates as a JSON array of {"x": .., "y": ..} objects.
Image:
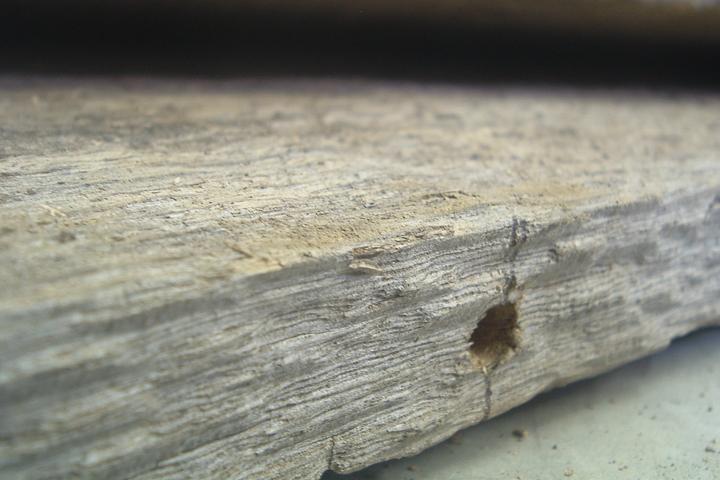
[{"x": 135, "y": 188}]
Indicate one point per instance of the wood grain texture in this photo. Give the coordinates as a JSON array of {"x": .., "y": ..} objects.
[{"x": 269, "y": 279}]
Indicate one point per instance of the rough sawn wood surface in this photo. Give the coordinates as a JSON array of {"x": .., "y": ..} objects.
[{"x": 269, "y": 279}]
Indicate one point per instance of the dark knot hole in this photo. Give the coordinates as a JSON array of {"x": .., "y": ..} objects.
[{"x": 496, "y": 337}]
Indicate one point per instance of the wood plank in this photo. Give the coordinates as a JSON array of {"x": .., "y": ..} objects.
[{"x": 268, "y": 279}]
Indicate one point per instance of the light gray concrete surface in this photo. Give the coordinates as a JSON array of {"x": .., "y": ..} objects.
[{"x": 656, "y": 418}]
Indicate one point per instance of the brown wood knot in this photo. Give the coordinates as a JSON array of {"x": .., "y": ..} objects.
[{"x": 496, "y": 337}]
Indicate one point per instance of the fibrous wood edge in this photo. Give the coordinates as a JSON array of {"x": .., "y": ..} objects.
[{"x": 267, "y": 280}]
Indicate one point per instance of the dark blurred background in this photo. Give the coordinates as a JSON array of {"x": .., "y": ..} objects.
[{"x": 671, "y": 43}]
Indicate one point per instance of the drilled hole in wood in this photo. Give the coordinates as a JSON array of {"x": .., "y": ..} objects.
[{"x": 496, "y": 337}]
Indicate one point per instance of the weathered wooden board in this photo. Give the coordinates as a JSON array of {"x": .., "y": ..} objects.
[{"x": 270, "y": 279}]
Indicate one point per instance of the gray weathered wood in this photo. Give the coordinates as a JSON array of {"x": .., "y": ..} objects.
[{"x": 269, "y": 279}]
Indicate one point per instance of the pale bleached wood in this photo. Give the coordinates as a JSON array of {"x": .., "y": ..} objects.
[{"x": 268, "y": 279}]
